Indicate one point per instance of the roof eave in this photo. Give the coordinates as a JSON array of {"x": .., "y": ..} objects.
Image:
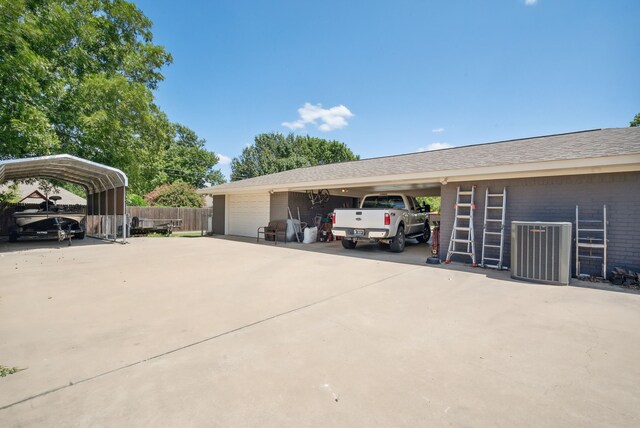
[{"x": 600, "y": 165}]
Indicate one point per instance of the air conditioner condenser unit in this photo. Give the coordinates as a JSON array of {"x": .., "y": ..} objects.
[{"x": 541, "y": 252}]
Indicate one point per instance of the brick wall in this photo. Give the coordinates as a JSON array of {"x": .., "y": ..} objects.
[
  {"x": 278, "y": 206},
  {"x": 555, "y": 199},
  {"x": 297, "y": 200}
]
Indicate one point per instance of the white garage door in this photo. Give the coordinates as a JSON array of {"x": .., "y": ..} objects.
[{"x": 247, "y": 213}]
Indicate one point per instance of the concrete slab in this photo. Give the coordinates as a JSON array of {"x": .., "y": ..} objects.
[{"x": 213, "y": 332}]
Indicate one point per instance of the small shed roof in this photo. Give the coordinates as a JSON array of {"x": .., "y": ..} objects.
[
  {"x": 600, "y": 150},
  {"x": 94, "y": 176}
]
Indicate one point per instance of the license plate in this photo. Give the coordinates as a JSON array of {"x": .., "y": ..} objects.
[{"x": 359, "y": 232}]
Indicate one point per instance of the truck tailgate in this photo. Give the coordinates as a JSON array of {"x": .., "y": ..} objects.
[{"x": 360, "y": 221}]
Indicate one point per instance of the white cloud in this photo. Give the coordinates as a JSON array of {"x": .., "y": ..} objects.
[
  {"x": 223, "y": 160},
  {"x": 435, "y": 146},
  {"x": 330, "y": 119},
  {"x": 530, "y": 2},
  {"x": 437, "y": 130}
]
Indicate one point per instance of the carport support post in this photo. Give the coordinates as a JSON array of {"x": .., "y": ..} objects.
[
  {"x": 100, "y": 214},
  {"x": 93, "y": 214},
  {"x": 93, "y": 219},
  {"x": 115, "y": 216},
  {"x": 124, "y": 215},
  {"x": 107, "y": 223}
]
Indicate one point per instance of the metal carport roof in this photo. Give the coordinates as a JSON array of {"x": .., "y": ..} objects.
[
  {"x": 94, "y": 176},
  {"x": 105, "y": 186}
]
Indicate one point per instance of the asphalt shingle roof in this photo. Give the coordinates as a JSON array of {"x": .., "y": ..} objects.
[
  {"x": 571, "y": 146},
  {"x": 26, "y": 189}
]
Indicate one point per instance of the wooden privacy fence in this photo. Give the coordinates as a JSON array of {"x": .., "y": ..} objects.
[{"x": 192, "y": 218}]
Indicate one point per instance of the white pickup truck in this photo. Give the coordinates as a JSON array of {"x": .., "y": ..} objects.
[{"x": 382, "y": 217}]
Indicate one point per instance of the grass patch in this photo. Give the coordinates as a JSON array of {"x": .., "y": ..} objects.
[
  {"x": 187, "y": 234},
  {"x": 5, "y": 371},
  {"x": 175, "y": 235}
]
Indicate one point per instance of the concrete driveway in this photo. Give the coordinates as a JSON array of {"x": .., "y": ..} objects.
[{"x": 212, "y": 332}]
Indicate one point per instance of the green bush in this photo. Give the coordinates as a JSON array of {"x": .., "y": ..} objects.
[
  {"x": 178, "y": 194},
  {"x": 134, "y": 200}
]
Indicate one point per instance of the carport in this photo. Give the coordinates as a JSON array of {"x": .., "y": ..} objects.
[
  {"x": 547, "y": 177},
  {"x": 105, "y": 188}
]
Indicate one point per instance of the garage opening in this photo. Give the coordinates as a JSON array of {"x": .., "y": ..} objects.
[
  {"x": 246, "y": 213},
  {"x": 105, "y": 187}
]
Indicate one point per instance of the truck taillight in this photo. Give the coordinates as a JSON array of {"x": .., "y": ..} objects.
[
  {"x": 387, "y": 219},
  {"x": 333, "y": 217}
]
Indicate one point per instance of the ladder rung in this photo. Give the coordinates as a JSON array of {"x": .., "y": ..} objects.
[
  {"x": 492, "y": 246},
  {"x": 461, "y": 240},
  {"x": 493, "y": 220},
  {"x": 590, "y": 221},
  {"x": 491, "y": 266},
  {"x": 464, "y": 216},
  {"x": 591, "y": 239},
  {"x": 464, "y": 204},
  {"x": 495, "y": 195},
  {"x": 585, "y": 245},
  {"x": 490, "y": 258},
  {"x": 460, "y": 252},
  {"x": 494, "y": 208},
  {"x": 590, "y": 257},
  {"x": 493, "y": 233},
  {"x": 590, "y": 230},
  {"x": 462, "y": 228},
  {"x": 464, "y": 193}
]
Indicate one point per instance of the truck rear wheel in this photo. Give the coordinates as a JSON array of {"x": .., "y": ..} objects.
[
  {"x": 397, "y": 243},
  {"x": 426, "y": 235},
  {"x": 349, "y": 244}
]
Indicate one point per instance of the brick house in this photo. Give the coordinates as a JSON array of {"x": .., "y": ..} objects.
[{"x": 545, "y": 177}]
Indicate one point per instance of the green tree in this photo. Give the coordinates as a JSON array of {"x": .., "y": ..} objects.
[
  {"x": 275, "y": 152},
  {"x": 635, "y": 121},
  {"x": 187, "y": 159},
  {"x": 178, "y": 194},
  {"x": 10, "y": 194},
  {"x": 76, "y": 76},
  {"x": 432, "y": 201}
]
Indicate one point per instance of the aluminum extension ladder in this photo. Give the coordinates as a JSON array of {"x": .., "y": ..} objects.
[
  {"x": 462, "y": 233},
  {"x": 495, "y": 205},
  {"x": 596, "y": 241}
]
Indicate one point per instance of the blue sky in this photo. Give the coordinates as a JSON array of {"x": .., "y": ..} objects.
[{"x": 396, "y": 77}]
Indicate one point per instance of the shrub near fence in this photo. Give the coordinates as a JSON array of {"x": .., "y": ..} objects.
[{"x": 193, "y": 219}]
